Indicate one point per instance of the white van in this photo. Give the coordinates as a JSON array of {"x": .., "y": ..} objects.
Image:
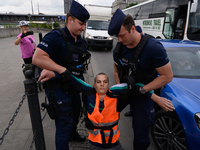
[{"x": 96, "y": 32}]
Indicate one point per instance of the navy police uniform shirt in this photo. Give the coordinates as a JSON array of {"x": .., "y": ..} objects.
[
  {"x": 153, "y": 55},
  {"x": 54, "y": 45}
]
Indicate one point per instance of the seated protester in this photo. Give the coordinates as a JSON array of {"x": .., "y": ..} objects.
[{"x": 103, "y": 105}]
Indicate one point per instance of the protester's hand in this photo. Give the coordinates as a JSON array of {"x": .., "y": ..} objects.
[
  {"x": 46, "y": 75},
  {"x": 23, "y": 34},
  {"x": 165, "y": 104}
]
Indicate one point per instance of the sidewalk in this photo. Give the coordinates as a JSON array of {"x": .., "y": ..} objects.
[{"x": 19, "y": 136}]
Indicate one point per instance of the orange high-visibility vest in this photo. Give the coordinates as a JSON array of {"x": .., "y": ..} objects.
[{"x": 108, "y": 117}]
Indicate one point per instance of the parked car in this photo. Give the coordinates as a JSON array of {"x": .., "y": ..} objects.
[{"x": 180, "y": 129}]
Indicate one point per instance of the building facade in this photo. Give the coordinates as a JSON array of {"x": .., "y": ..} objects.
[{"x": 67, "y": 5}]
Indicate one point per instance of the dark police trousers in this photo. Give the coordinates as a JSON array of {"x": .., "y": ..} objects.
[
  {"x": 76, "y": 107},
  {"x": 64, "y": 124},
  {"x": 143, "y": 118}
]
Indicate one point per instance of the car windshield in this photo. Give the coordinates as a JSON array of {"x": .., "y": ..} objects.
[
  {"x": 185, "y": 61},
  {"x": 97, "y": 25}
]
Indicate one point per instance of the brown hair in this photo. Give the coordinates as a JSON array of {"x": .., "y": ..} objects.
[
  {"x": 101, "y": 73},
  {"x": 128, "y": 22},
  {"x": 69, "y": 15}
]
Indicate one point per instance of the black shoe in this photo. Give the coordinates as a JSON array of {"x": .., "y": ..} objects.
[
  {"x": 77, "y": 138},
  {"x": 128, "y": 114}
]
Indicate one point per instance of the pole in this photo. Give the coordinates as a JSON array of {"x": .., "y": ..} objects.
[
  {"x": 40, "y": 37},
  {"x": 34, "y": 110}
]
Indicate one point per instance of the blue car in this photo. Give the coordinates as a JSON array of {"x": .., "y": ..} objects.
[{"x": 180, "y": 129}]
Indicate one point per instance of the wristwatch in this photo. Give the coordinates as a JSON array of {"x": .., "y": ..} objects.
[{"x": 142, "y": 90}]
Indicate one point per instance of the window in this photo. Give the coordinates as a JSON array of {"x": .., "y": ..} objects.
[
  {"x": 168, "y": 23},
  {"x": 146, "y": 10},
  {"x": 137, "y": 13},
  {"x": 159, "y": 6}
]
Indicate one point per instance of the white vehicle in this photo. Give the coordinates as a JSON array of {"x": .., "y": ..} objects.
[
  {"x": 168, "y": 19},
  {"x": 96, "y": 32}
]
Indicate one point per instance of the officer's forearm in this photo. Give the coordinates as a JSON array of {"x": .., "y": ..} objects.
[
  {"x": 165, "y": 76},
  {"x": 156, "y": 83},
  {"x": 117, "y": 81},
  {"x": 42, "y": 60}
]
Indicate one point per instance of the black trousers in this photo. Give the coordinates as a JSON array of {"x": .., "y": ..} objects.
[
  {"x": 28, "y": 60},
  {"x": 76, "y": 106}
]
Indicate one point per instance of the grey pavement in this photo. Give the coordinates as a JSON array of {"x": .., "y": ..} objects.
[{"x": 19, "y": 135}]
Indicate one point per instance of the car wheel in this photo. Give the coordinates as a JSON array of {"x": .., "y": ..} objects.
[{"x": 167, "y": 132}]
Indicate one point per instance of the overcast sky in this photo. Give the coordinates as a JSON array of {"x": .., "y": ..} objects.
[{"x": 52, "y": 7}]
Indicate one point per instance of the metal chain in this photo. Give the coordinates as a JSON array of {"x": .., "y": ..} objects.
[
  {"x": 12, "y": 120},
  {"x": 44, "y": 115},
  {"x": 33, "y": 140}
]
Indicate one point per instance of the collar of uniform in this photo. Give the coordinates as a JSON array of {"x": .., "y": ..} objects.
[{"x": 72, "y": 40}]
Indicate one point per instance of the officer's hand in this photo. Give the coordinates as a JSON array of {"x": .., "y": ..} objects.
[
  {"x": 77, "y": 88},
  {"x": 66, "y": 78},
  {"x": 126, "y": 94},
  {"x": 131, "y": 83},
  {"x": 46, "y": 75},
  {"x": 137, "y": 91}
]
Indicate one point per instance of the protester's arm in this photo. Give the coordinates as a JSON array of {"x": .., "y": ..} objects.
[
  {"x": 161, "y": 101},
  {"x": 42, "y": 60},
  {"x": 165, "y": 76},
  {"x": 117, "y": 81},
  {"x": 17, "y": 41},
  {"x": 74, "y": 81}
]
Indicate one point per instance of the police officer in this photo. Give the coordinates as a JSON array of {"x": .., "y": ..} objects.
[
  {"x": 153, "y": 58},
  {"x": 64, "y": 52}
]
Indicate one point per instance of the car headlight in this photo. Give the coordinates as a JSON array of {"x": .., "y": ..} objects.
[
  {"x": 89, "y": 37},
  {"x": 110, "y": 38},
  {"x": 197, "y": 119}
]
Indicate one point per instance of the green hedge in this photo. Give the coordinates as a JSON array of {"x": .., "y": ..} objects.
[{"x": 41, "y": 25}]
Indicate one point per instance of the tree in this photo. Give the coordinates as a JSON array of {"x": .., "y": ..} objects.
[
  {"x": 56, "y": 25},
  {"x": 131, "y": 4}
]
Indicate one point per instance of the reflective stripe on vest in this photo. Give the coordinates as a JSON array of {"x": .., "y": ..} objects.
[
  {"x": 104, "y": 124},
  {"x": 108, "y": 117},
  {"x": 107, "y": 134}
]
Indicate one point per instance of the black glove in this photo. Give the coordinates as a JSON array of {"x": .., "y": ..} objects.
[
  {"x": 131, "y": 82},
  {"x": 137, "y": 91},
  {"x": 66, "y": 78},
  {"x": 126, "y": 94},
  {"x": 27, "y": 33},
  {"x": 77, "y": 88}
]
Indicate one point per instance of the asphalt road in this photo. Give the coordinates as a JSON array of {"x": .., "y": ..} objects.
[{"x": 102, "y": 61}]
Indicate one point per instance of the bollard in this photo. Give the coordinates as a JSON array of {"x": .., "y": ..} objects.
[
  {"x": 40, "y": 37},
  {"x": 34, "y": 110}
]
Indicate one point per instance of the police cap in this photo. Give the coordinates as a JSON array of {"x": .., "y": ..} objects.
[
  {"x": 78, "y": 11},
  {"x": 116, "y": 22}
]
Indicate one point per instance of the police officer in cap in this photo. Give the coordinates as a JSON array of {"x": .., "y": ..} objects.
[
  {"x": 60, "y": 54},
  {"x": 152, "y": 59}
]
